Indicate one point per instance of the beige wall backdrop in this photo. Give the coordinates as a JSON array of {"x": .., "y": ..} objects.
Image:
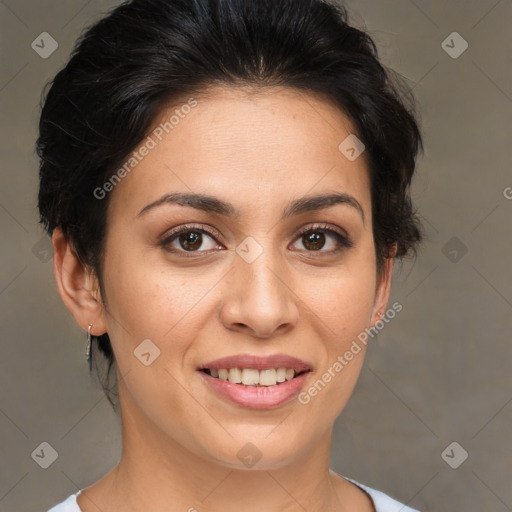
[{"x": 430, "y": 421}]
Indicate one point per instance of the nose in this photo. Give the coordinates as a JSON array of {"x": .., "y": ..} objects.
[{"x": 258, "y": 298}]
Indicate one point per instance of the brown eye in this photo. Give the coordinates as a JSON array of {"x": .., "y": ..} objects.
[
  {"x": 188, "y": 240},
  {"x": 313, "y": 241},
  {"x": 316, "y": 238},
  {"x": 191, "y": 240}
]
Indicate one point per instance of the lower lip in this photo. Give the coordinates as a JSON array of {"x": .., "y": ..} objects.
[{"x": 257, "y": 397}]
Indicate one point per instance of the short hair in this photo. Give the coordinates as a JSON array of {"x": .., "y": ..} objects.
[{"x": 144, "y": 54}]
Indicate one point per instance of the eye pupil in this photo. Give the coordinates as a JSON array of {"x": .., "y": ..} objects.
[
  {"x": 314, "y": 238},
  {"x": 189, "y": 240}
]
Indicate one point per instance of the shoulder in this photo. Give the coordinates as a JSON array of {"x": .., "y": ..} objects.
[
  {"x": 68, "y": 505},
  {"x": 383, "y": 502}
]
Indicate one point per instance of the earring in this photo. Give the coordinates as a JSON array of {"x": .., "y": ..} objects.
[{"x": 88, "y": 349}]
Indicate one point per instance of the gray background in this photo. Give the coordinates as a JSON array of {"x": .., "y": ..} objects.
[{"x": 439, "y": 373}]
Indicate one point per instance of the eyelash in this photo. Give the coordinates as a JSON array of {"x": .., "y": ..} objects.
[{"x": 343, "y": 241}]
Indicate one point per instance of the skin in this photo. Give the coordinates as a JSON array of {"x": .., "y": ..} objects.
[{"x": 258, "y": 151}]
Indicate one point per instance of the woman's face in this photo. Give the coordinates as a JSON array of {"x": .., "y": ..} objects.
[{"x": 252, "y": 285}]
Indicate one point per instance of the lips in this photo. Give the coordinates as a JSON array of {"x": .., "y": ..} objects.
[
  {"x": 258, "y": 362},
  {"x": 255, "y": 397}
]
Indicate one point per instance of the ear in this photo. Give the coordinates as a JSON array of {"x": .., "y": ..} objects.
[
  {"x": 383, "y": 288},
  {"x": 78, "y": 286}
]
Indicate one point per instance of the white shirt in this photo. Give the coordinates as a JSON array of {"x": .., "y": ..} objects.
[{"x": 382, "y": 502}]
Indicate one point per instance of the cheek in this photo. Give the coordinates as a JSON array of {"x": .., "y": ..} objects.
[
  {"x": 341, "y": 311},
  {"x": 342, "y": 301},
  {"x": 152, "y": 300},
  {"x": 138, "y": 293},
  {"x": 341, "y": 306},
  {"x": 342, "y": 297},
  {"x": 135, "y": 304}
]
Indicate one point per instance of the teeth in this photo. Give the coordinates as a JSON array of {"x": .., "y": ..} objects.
[
  {"x": 254, "y": 377},
  {"x": 268, "y": 377},
  {"x": 235, "y": 375},
  {"x": 281, "y": 375},
  {"x": 250, "y": 377}
]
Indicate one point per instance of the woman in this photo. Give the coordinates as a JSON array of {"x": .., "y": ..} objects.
[{"x": 226, "y": 184}]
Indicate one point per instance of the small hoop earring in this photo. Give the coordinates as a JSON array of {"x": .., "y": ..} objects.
[{"x": 88, "y": 349}]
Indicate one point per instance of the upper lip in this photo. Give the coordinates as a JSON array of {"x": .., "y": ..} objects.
[{"x": 258, "y": 362}]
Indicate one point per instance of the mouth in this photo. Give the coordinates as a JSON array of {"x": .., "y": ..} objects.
[
  {"x": 253, "y": 394},
  {"x": 256, "y": 382}
]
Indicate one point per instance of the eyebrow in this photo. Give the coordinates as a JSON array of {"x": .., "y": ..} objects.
[{"x": 212, "y": 204}]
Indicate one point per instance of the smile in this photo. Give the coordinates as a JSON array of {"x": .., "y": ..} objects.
[{"x": 259, "y": 392}]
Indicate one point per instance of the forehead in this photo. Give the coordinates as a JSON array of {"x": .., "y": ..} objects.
[{"x": 240, "y": 142}]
